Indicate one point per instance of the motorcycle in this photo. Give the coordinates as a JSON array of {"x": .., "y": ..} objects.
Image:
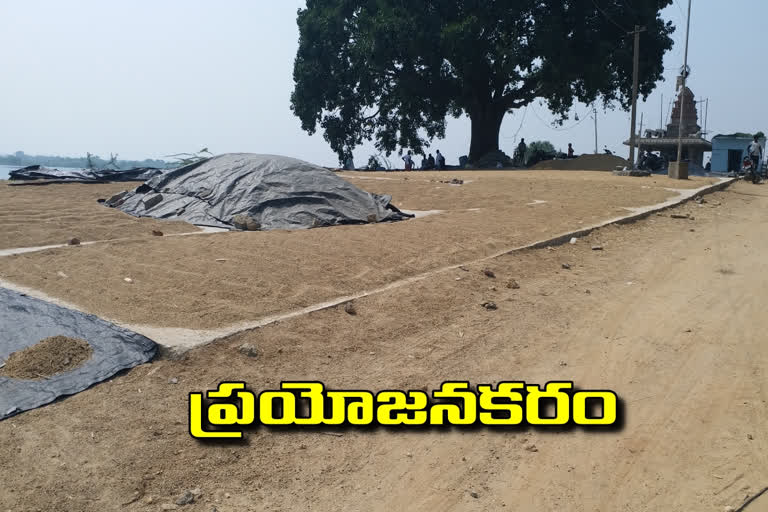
[
  {"x": 651, "y": 162},
  {"x": 749, "y": 171}
]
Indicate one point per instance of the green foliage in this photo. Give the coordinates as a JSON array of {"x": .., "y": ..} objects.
[
  {"x": 538, "y": 151},
  {"x": 760, "y": 135},
  {"x": 392, "y": 71},
  {"x": 378, "y": 163}
]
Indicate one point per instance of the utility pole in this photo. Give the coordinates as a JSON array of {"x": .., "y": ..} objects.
[
  {"x": 706, "y": 114},
  {"x": 594, "y": 114},
  {"x": 679, "y": 174},
  {"x": 635, "y": 80},
  {"x": 661, "y": 114}
]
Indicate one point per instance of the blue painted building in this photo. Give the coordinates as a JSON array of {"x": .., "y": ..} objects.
[{"x": 728, "y": 151}]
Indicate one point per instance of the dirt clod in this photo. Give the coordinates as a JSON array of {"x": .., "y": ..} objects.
[
  {"x": 249, "y": 350},
  {"x": 156, "y": 232},
  {"x": 489, "y": 273},
  {"x": 74, "y": 241},
  {"x": 513, "y": 285},
  {"x": 186, "y": 499},
  {"x": 49, "y": 357},
  {"x": 349, "y": 308},
  {"x": 490, "y": 306}
]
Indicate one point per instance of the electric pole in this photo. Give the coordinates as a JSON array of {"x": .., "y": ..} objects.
[
  {"x": 635, "y": 79},
  {"x": 706, "y": 114},
  {"x": 594, "y": 114},
  {"x": 678, "y": 174}
]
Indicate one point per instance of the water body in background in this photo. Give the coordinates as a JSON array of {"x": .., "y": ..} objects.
[{"x": 6, "y": 169}]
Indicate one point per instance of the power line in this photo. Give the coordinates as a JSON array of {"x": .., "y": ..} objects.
[
  {"x": 682, "y": 14},
  {"x": 548, "y": 125},
  {"x": 631, "y": 9},
  {"x": 608, "y": 17},
  {"x": 520, "y": 128}
]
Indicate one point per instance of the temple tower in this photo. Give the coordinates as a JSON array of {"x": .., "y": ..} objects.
[{"x": 690, "y": 116}]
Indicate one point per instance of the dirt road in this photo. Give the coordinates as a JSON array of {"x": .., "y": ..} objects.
[{"x": 670, "y": 315}]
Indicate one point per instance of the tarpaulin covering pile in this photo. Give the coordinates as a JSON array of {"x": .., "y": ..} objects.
[
  {"x": 38, "y": 172},
  {"x": 24, "y": 321},
  {"x": 255, "y": 192}
]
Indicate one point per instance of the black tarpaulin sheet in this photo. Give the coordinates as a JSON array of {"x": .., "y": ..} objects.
[
  {"x": 38, "y": 172},
  {"x": 256, "y": 192},
  {"x": 24, "y": 321}
]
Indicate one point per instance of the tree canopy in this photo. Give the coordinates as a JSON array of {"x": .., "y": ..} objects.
[{"x": 393, "y": 70}]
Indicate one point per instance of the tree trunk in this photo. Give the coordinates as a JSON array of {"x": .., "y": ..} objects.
[{"x": 486, "y": 125}]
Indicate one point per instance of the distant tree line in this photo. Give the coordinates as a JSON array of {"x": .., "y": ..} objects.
[{"x": 22, "y": 160}]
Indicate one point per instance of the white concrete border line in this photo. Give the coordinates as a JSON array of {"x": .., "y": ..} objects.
[
  {"x": 175, "y": 341},
  {"x": 204, "y": 230}
]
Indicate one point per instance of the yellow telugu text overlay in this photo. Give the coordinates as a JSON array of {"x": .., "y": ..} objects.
[{"x": 226, "y": 412}]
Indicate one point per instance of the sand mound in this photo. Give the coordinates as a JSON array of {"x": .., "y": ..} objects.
[
  {"x": 583, "y": 163},
  {"x": 51, "y": 356}
]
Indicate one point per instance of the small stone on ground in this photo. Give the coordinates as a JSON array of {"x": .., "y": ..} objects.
[
  {"x": 249, "y": 350},
  {"x": 186, "y": 499}
]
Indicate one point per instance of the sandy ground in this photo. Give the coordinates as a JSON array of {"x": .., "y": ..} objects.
[
  {"x": 37, "y": 215},
  {"x": 211, "y": 281},
  {"x": 670, "y": 315}
]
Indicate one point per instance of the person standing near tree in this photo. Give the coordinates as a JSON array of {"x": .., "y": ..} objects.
[
  {"x": 439, "y": 160},
  {"x": 520, "y": 153},
  {"x": 570, "y": 150},
  {"x": 408, "y": 159},
  {"x": 755, "y": 152}
]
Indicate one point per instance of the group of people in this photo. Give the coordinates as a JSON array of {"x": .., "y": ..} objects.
[
  {"x": 428, "y": 163},
  {"x": 521, "y": 153},
  {"x": 437, "y": 162}
]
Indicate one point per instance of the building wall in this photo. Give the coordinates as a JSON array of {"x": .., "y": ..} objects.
[{"x": 721, "y": 146}]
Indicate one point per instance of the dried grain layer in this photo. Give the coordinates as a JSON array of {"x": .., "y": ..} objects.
[
  {"x": 211, "y": 281},
  {"x": 49, "y": 357},
  {"x": 37, "y": 215},
  {"x": 671, "y": 319}
]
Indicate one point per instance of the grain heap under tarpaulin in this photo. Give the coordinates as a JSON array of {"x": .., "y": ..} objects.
[
  {"x": 39, "y": 172},
  {"x": 255, "y": 192}
]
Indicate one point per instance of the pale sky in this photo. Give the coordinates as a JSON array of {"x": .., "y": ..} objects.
[{"x": 150, "y": 78}]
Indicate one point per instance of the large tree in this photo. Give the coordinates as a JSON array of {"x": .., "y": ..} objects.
[{"x": 393, "y": 70}]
